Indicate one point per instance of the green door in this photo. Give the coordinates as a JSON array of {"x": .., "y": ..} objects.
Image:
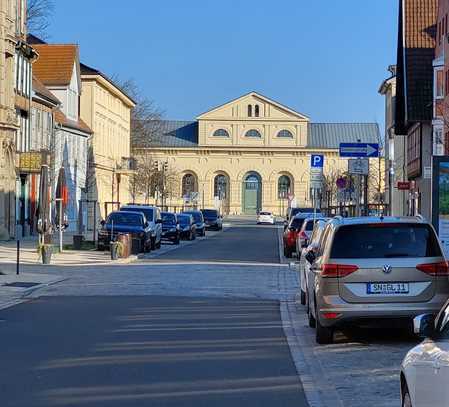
[{"x": 252, "y": 194}]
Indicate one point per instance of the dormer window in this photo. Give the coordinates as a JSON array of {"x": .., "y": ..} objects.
[
  {"x": 221, "y": 133},
  {"x": 256, "y": 110},
  {"x": 285, "y": 134},
  {"x": 253, "y": 133},
  {"x": 250, "y": 111}
]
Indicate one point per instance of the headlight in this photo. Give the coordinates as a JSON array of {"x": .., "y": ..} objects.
[{"x": 172, "y": 230}]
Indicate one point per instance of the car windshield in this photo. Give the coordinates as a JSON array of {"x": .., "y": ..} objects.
[
  {"x": 184, "y": 219},
  {"x": 210, "y": 213},
  {"x": 384, "y": 240},
  {"x": 296, "y": 223},
  {"x": 148, "y": 212},
  {"x": 196, "y": 216},
  {"x": 310, "y": 223},
  {"x": 169, "y": 218},
  {"x": 123, "y": 218}
]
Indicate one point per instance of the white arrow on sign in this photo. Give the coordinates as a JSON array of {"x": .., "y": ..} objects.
[{"x": 370, "y": 150}]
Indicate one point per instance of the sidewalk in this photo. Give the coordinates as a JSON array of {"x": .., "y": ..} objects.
[{"x": 14, "y": 288}]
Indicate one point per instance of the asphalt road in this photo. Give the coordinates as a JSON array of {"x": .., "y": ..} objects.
[
  {"x": 148, "y": 350},
  {"x": 245, "y": 241}
]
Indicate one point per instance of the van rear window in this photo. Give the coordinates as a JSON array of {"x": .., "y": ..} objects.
[{"x": 385, "y": 240}]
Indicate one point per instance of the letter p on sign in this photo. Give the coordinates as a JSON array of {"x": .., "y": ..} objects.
[{"x": 317, "y": 161}]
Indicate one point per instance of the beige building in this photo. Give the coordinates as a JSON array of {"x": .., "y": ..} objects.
[
  {"x": 12, "y": 35},
  {"x": 107, "y": 111},
  {"x": 249, "y": 154}
]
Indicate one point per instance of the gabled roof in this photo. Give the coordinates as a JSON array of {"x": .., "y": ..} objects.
[
  {"x": 261, "y": 97},
  {"x": 64, "y": 121},
  {"x": 89, "y": 71},
  {"x": 415, "y": 53},
  {"x": 330, "y": 135},
  {"x": 40, "y": 90},
  {"x": 54, "y": 66}
]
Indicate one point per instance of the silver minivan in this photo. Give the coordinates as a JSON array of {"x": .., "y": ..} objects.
[{"x": 376, "y": 267}]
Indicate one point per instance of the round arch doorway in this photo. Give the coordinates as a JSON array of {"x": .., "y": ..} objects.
[{"x": 252, "y": 193}]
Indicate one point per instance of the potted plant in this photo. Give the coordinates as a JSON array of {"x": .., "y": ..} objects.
[
  {"x": 117, "y": 249},
  {"x": 45, "y": 252}
]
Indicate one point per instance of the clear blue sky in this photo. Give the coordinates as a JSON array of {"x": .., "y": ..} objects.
[{"x": 324, "y": 58}]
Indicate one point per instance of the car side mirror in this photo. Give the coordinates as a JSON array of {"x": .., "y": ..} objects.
[
  {"x": 158, "y": 220},
  {"x": 310, "y": 256},
  {"x": 102, "y": 222},
  {"x": 424, "y": 325},
  {"x": 146, "y": 224}
]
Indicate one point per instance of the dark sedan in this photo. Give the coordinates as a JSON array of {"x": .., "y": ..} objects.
[
  {"x": 212, "y": 219},
  {"x": 187, "y": 226},
  {"x": 170, "y": 227},
  {"x": 133, "y": 223},
  {"x": 199, "y": 222}
]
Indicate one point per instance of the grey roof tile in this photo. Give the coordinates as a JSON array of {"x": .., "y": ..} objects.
[
  {"x": 330, "y": 135},
  {"x": 171, "y": 133}
]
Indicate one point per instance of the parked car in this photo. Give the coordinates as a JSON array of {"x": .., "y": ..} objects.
[
  {"x": 304, "y": 265},
  {"x": 303, "y": 237},
  {"x": 212, "y": 218},
  {"x": 199, "y": 222},
  {"x": 371, "y": 268},
  {"x": 170, "y": 227},
  {"x": 425, "y": 368},
  {"x": 292, "y": 212},
  {"x": 265, "y": 217},
  {"x": 187, "y": 226},
  {"x": 153, "y": 216},
  {"x": 133, "y": 223},
  {"x": 291, "y": 232}
]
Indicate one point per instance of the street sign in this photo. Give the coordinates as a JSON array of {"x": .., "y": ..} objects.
[
  {"x": 316, "y": 179},
  {"x": 316, "y": 161},
  {"x": 403, "y": 185},
  {"x": 358, "y": 166},
  {"x": 359, "y": 150}
]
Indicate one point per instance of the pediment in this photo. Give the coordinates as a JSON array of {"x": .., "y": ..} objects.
[{"x": 238, "y": 109}]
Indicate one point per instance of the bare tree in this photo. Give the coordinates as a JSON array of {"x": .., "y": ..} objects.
[
  {"x": 39, "y": 13},
  {"x": 151, "y": 180},
  {"x": 145, "y": 117}
]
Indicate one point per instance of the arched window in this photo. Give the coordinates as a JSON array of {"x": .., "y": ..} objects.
[
  {"x": 188, "y": 185},
  {"x": 250, "y": 111},
  {"x": 253, "y": 133},
  {"x": 284, "y": 187},
  {"x": 256, "y": 111},
  {"x": 221, "y": 133},
  {"x": 285, "y": 134},
  {"x": 221, "y": 186}
]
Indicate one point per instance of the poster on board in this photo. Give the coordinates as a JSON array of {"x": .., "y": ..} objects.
[{"x": 440, "y": 200}]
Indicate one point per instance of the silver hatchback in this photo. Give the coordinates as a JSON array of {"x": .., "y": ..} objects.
[{"x": 371, "y": 268}]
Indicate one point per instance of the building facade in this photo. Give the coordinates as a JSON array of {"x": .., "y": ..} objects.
[
  {"x": 395, "y": 150},
  {"x": 106, "y": 109},
  {"x": 414, "y": 97},
  {"x": 12, "y": 35},
  {"x": 249, "y": 154},
  {"x": 58, "y": 68}
]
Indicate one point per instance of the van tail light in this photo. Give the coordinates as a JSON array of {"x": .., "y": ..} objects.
[
  {"x": 440, "y": 268},
  {"x": 337, "y": 270}
]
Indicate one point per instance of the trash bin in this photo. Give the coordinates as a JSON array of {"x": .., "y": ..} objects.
[
  {"x": 135, "y": 245},
  {"x": 125, "y": 240},
  {"x": 78, "y": 241}
]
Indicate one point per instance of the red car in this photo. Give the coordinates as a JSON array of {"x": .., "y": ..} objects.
[{"x": 291, "y": 233}]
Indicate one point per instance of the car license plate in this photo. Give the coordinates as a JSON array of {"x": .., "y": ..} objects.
[{"x": 387, "y": 288}]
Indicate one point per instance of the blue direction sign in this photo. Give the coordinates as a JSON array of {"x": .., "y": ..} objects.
[
  {"x": 359, "y": 150},
  {"x": 317, "y": 161}
]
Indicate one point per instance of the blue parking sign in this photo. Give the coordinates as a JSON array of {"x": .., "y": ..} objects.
[{"x": 317, "y": 161}]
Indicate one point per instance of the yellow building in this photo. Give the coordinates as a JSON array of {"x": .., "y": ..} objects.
[
  {"x": 107, "y": 111},
  {"x": 249, "y": 154}
]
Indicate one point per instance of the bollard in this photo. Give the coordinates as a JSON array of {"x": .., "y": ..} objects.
[{"x": 18, "y": 257}]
